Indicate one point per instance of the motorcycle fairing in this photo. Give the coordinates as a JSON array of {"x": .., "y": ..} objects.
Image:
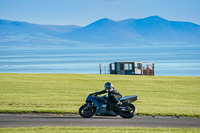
[
  {"x": 100, "y": 111},
  {"x": 91, "y": 98},
  {"x": 129, "y": 99}
]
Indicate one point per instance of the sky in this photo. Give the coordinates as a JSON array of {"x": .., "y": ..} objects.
[{"x": 84, "y": 12}]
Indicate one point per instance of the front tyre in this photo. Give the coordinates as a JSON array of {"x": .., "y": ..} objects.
[
  {"x": 127, "y": 110},
  {"x": 86, "y": 111}
]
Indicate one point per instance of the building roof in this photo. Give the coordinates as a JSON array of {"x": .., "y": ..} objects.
[{"x": 129, "y": 62}]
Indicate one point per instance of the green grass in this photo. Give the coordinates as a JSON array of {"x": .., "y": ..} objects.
[
  {"x": 98, "y": 130},
  {"x": 65, "y": 93}
]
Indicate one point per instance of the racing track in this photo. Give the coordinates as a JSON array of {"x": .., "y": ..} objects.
[{"x": 33, "y": 120}]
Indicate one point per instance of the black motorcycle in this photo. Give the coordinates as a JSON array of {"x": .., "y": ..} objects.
[{"x": 99, "y": 106}]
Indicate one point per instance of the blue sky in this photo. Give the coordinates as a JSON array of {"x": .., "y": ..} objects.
[{"x": 84, "y": 12}]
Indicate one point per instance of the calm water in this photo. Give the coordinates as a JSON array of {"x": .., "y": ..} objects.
[{"x": 169, "y": 61}]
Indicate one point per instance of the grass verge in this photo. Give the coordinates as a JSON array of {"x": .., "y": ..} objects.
[
  {"x": 65, "y": 93},
  {"x": 98, "y": 130}
]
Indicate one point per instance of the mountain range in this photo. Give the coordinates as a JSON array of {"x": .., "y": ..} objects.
[{"x": 150, "y": 30}]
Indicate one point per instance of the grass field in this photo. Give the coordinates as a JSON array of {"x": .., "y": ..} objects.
[
  {"x": 98, "y": 130},
  {"x": 65, "y": 93}
]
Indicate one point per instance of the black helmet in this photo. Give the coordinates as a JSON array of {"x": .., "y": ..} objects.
[{"x": 108, "y": 85}]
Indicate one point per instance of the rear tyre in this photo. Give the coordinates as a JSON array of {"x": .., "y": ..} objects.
[
  {"x": 128, "y": 112},
  {"x": 86, "y": 112}
]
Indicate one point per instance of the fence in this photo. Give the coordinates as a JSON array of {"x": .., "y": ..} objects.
[
  {"x": 104, "y": 68},
  {"x": 146, "y": 69}
]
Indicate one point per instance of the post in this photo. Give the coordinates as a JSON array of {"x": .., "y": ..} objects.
[
  {"x": 153, "y": 69},
  {"x": 100, "y": 68}
]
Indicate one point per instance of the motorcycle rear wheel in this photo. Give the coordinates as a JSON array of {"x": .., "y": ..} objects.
[
  {"x": 129, "y": 112},
  {"x": 86, "y": 112}
]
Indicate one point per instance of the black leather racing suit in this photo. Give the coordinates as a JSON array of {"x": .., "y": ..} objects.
[{"x": 113, "y": 95}]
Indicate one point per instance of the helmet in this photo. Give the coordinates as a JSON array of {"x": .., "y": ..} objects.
[{"x": 108, "y": 85}]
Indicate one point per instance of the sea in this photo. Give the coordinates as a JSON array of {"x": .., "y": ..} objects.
[{"x": 170, "y": 60}]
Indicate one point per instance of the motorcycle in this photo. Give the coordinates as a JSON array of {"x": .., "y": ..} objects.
[{"x": 99, "y": 106}]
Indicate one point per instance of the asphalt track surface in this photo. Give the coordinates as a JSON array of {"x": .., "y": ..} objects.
[{"x": 35, "y": 120}]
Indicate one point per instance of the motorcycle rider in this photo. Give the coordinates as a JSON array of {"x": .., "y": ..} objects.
[{"x": 113, "y": 95}]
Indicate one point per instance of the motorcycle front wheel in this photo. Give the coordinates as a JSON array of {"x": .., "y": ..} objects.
[
  {"x": 128, "y": 111},
  {"x": 86, "y": 111}
]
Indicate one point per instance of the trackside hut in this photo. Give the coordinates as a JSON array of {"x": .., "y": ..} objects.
[{"x": 132, "y": 68}]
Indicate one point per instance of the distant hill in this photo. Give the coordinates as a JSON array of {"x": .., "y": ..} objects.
[
  {"x": 23, "y": 33},
  {"x": 156, "y": 28},
  {"x": 104, "y": 31},
  {"x": 151, "y": 29},
  {"x": 148, "y": 30}
]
